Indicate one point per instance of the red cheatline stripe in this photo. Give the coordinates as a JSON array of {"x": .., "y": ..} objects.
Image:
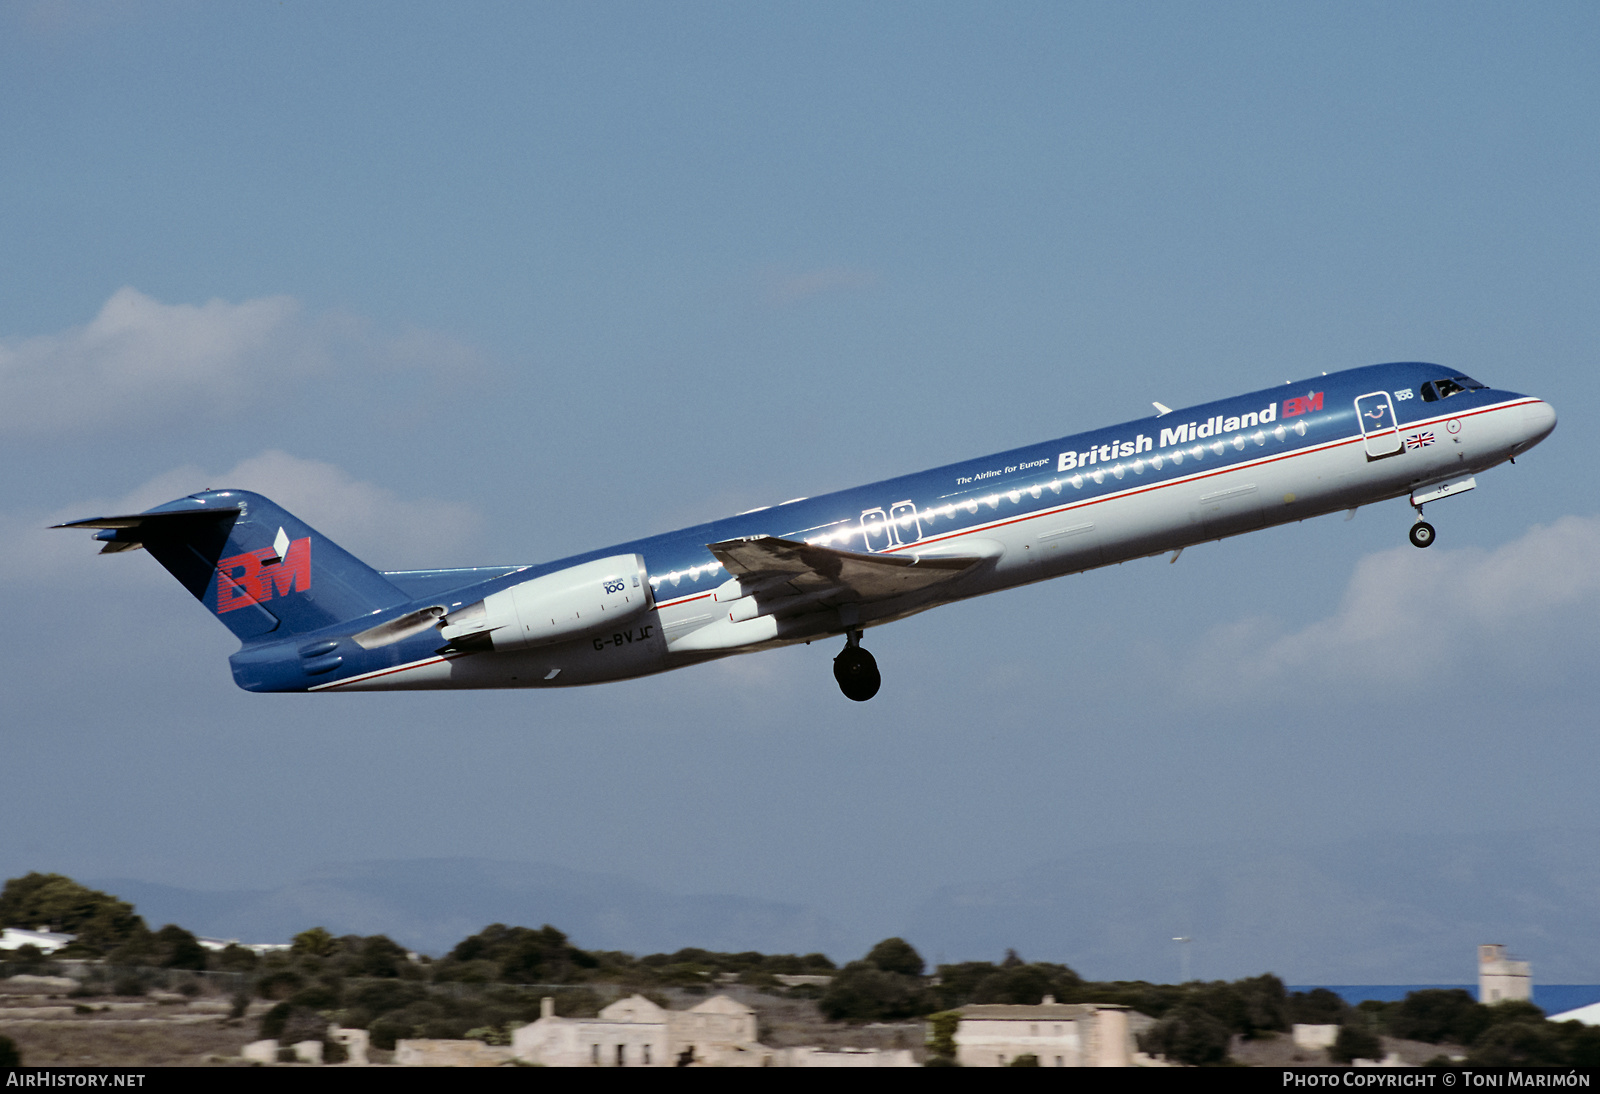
[
  {"x": 1133, "y": 492},
  {"x": 384, "y": 672},
  {"x": 1186, "y": 480}
]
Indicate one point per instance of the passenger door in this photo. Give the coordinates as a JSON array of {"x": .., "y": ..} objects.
[
  {"x": 904, "y": 524},
  {"x": 876, "y": 534},
  {"x": 1379, "y": 429}
]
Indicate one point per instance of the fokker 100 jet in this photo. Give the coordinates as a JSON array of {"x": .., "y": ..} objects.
[{"x": 312, "y": 617}]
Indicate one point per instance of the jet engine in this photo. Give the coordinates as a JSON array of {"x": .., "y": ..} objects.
[{"x": 572, "y": 603}]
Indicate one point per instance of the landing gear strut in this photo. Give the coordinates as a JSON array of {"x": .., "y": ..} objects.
[
  {"x": 856, "y": 670},
  {"x": 1421, "y": 532}
]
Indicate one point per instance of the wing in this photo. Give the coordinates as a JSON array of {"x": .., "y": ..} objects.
[{"x": 771, "y": 569}]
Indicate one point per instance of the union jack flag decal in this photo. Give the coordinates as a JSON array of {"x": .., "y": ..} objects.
[{"x": 1419, "y": 440}]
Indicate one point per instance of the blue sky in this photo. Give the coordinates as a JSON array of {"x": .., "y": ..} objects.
[{"x": 503, "y": 282}]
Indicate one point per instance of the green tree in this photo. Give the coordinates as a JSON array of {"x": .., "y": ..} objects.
[
  {"x": 1317, "y": 1007},
  {"x": 380, "y": 956},
  {"x": 235, "y": 958},
  {"x": 1026, "y": 985},
  {"x": 317, "y": 942},
  {"x": 178, "y": 949},
  {"x": 986, "y": 982},
  {"x": 865, "y": 993},
  {"x": 942, "y": 1033},
  {"x": 1519, "y": 1043},
  {"x": 1435, "y": 1015},
  {"x": 1188, "y": 1035},
  {"x": 1355, "y": 1041},
  {"x": 896, "y": 955},
  {"x": 9, "y": 1056},
  {"x": 520, "y": 955},
  {"x": 58, "y": 903}
]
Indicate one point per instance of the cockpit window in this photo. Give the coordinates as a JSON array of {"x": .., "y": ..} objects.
[{"x": 1443, "y": 389}]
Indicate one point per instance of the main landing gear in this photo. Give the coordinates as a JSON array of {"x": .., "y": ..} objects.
[{"x": 856, "y": 670}]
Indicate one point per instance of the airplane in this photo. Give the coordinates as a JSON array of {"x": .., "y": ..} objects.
[{"x": 311, "y": 617}]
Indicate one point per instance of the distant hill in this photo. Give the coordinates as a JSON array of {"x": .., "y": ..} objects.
[
  {"x": 1402, "y": 909},
  {"x": 1397, "y": 909},
  {"x": 431, "y": 904}
]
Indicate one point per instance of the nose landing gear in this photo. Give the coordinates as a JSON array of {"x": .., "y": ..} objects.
[
  {"x": 1421, "y": 533},
  {"x": 856, "y": 670}
]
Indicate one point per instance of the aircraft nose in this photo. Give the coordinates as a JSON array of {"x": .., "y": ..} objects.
[{"x": 1538, "y": 419}]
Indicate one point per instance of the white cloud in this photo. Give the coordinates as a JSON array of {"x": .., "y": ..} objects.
[
  {"x": 140, "y": 362},
  {"x": 1424, "y": 619},
  {"x": 372, "y": 522},
  {"x": 136, "y": 356},
  {"x": 367, "y": 520}
]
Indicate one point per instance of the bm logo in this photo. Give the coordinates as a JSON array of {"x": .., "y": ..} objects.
[
  {"x": 257, "y": 576},
  {"x": 1303, "y": 405}
]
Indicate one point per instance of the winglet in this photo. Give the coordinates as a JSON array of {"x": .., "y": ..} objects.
[{"x": 1161, "y": 410}]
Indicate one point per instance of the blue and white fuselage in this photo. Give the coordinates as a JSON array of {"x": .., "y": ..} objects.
[{"x": 313, "y": 618}]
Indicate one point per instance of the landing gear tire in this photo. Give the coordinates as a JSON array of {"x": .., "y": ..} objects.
[
  {"x": 857, "y": 673},
  {"x": 1422, "y": 534}
]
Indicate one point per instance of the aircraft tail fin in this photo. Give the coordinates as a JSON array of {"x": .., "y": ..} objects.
[{"x": 259, "y": 569}]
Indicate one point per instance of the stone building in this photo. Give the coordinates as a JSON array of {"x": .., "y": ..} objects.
[
  {"x": 634, "y": 1032},
  {"x": 1059, "y": 1034},
  {"x": 1500, "y": 978}
]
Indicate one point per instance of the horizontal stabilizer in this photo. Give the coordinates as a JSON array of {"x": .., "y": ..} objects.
[
  {"x": 126, "y": 533},
  {"x": 254, "y": 565}
]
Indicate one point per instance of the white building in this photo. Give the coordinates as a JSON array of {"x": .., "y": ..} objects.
[
  {"x": 47, "y": 941},
  {"x": 813, "y": 1056},
  {"x": 1589, "y": 1015},
  {"x": 634, "y": 1032},
  {"x": 1059, "y": 1034},
  {"x": 1500, "y": 978}
]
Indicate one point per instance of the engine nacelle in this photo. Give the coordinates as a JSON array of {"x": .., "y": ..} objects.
[{"x": 572, "y": 603}]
